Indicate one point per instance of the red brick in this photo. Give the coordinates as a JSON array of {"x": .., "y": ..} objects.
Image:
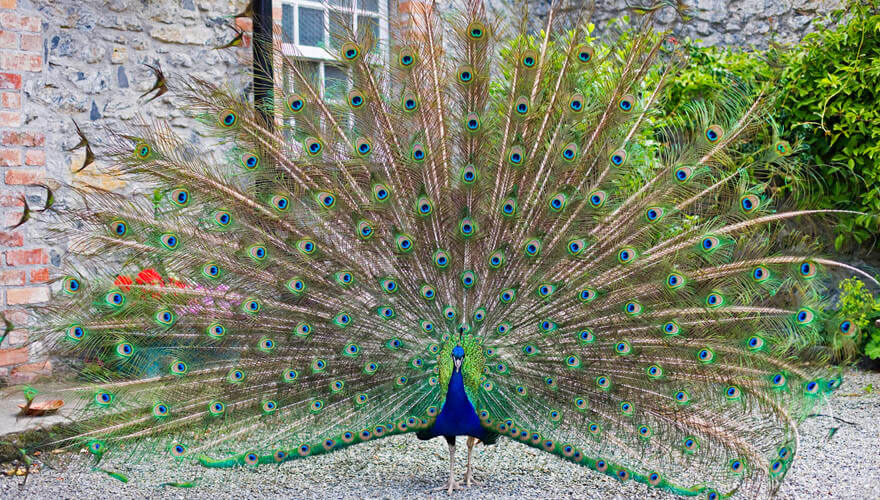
[
  {"x": 8, "y": 40},
  {"x": 8, "y": 4},
  {"x": 13, "y": 218},
  {"x": 11, "y": 200},
  {"x": 25, "y": 176},
  {"x": 13, "y": 21},
  {"x": 10, "y": 119},
  {"x": 11, "y": 239},
  {"x": 10, "y": 100},
  {"x": 18, "y": 316},
  {"x": 10, "y": 157},
  {"x": 21, "y": 62},
  {"x": 26, "y": 257},
  {"x": 10, "y": 81},
  {"x": 13, "y": 356},
  {"x": 40, "y": 275},
  {"x": 27, "y": 373},
  {"x": 35, "y": 157},
  {"x": 30, "y": 139},
  {"x": 27, "y": 295},
  {"x": 31, "y": 43},
  {"x": 12, "y": 277}
]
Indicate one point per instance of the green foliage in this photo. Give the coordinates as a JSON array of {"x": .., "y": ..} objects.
[
  {"x": 831, "y": 86},
  {"x": 823, "y": 97},
  {"x": 859, "y": 305}
]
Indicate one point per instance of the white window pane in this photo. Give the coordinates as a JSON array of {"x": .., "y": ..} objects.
[
  {"x": 287, "y": 23},
  {"x": 341, "y": 3},
  {"x": 340, "y": 28},
  {"x": 369, "y": 25},
  {"x": 311, "y": 27},
  {"x": 370, "y": 5},
  {"x": 335, "y": 82}
]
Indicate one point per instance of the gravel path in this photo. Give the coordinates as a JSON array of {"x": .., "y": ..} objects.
[{"x": 846, "y": 467}]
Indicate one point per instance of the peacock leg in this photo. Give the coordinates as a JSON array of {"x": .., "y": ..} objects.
[
  {"x": 451, "y": 484},
  {"x": 469, "y": 476}
]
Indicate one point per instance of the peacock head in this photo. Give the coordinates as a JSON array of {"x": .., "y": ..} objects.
[{"x": 457, "y": 357}]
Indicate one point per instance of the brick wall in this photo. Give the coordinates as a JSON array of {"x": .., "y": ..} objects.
[{"x": 23, "y": 270}]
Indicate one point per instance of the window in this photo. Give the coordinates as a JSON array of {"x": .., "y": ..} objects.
[{"x": 309, "y": 26}]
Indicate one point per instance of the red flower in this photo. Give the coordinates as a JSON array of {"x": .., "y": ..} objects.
[
  {"x": 149, "y": 276},
  {"x": 123, "y": 282}
]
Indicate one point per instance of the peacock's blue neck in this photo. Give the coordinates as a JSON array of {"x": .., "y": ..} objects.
[{"x": 458, "y": 417}]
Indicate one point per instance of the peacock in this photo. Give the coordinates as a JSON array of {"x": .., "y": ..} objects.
[{"x": 490, "y": 233}]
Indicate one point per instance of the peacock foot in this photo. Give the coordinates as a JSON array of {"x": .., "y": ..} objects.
[
  {"x": 450, "y": 485},
  {"x": 469, "y": 481}
]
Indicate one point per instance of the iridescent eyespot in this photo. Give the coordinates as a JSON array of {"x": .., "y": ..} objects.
[
  {"x": 778, "y": 380},
  {"x": 469, "y": 174},
  {"x": 547, "y": 326},
  {"x": 389, "y": 285},
  {"x": 775, "y": 468},
  {"x": 476, "y": 30},
  {"x": 344, "y": 278},
  {"x": 749, "y": 203},
  {"x": 682, "y": 397},
  {"x": 316, "y": 406},
  {"x": 507, "y": 295},
  {"x": 143, "y": 151},
  {"x": 71, "y": 285},
  {"x": 601, "y": 465},
  {"x": 381, "y": 192},
  {"x": 115, "y": 299},
  {"x": 654, "y": 371},
  {"x": 623, "y": 348},
  {"x": 351, "y": 350},
  {"x": 356, "y": 99},
  {"x": 266, "y": 344},
  {"x": 584, "y": 53},
  {"x": 467, "y": 227},
  {"x": 714, "y": 300},
  {"x": 409, "y": 102},
  {"x": 626, "y": 255},
  {"x": 427, "y": 292},
  {"x": 755, "y": 343},
  {"x": 654, "y": 479},
  {"x": 576, "y": 103},
  {"x": 306, "y": 246},
  {"x": 465, "y": 75},
  {"x": 363, "y": 146},
  {"x": 653, "y": 214},
  {"x": 418, "y": 152},
  {"x": 365, "y": 229},
  {"x": 169, "y": 241},
  {"x": 296, "y": 286},
  {"x": 468, "y": 279},
  {"x": 545, "y": 290},
  {"x": 508, "y": 207},
  {"x": 714, "y": 133},
  {"x": 674, "y": 281},
  {"x": 257, "y": 253},
  {"x": 597, "y": 199},
  {"x": 295, "y": 103},
  {"x": 760, "y": 274},
  {"x": 532, "y": 247},
  {"x": 350, "y": 51},
  {"x": 644, "y": 432},
  {"x": 424, "y": 206},
  {"x": 804, "y": 316},
  {"x": 626, "y": 103},
  {"x": 406, "y": 57},
  {"x": 690, "y": 444},
  {"x": 529, "y": 58},
  {"x": 180, "y": 197},
  {"x": 385, "y": 312},
  {"x": 603, "y": 382},
  {"x": 480, "y": 314},
  {"x": 103, "y": 398},
  {"x": 337, "y": 385},
  {"x": 222, "y": 218},
  {"x": 807, "y": 269},
  {"x": 503, "y": 329},
  {"x": 782, "y": 148},
  {"x": 847, "y": 328},
  {"x": 594, "y": 429},
  {"x": 516, "y": 155},
  {"x": 450, "y": 313},
  {"x": 342, "y": 319},
  {"x": 160, "y": 410},
  {"x": 557, "y": 202},
  {"x": 215, "y": 330},
  {"x": 404, "y": 243},
  {"x": 235, "y": 376},
  {"x": 165, "y": 317},
  {"x": 521, "y": 106},
  {"x": 472, "y": 122},
  {"x": 576, "y": 246},
  {"x": 426, "y": 326},
  {"x": 709, "y": 243},
  {"x": 118, "y": 228},
  {"x": 228, "y": 118},
  {"x": 706, "y": 355},
  {"x": 280, "y": 203},
  {"x": 572, "y": 361},
  {"x": 75, "y": 332},
  {"x": 671, "y": 328},
  {"x": 585, "y": 337},
  {"x": 632, "y": 308},
  {"x": 318, "y": 365},
  {"x": 618, "y": 157},
  {"x": 313, "y": 146},
  {"x": 370, "y": 368},
  {"x": 626, "y": 408},
  {"x": 811, "y": 387},
  {"x": 737, "y": 466},
  {"x": 732, "y": 392},
  {"x": 125, "y": 350},
  {"x": 179, "y": 368},
  {"x": 587, "y": 295},
  {"x": 683, "y": 174}
]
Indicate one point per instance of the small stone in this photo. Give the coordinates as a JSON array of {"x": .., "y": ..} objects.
[
  {"x": 119, "y": 55},
  {"x": 121, "y": 78},
  {"x": 94, "y": 114}
]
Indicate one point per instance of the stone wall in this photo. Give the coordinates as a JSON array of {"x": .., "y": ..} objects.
[
  {"x": 742, "y": 23},
  {"x": 83, "y": 60}
]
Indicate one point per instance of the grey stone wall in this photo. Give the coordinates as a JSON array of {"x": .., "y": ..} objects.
[{"x": 743, "y": 23}]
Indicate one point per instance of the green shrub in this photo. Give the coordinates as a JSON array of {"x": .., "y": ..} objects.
[
  {"x": 830, "y": 90},
  {"x": 859, "y": 305}
]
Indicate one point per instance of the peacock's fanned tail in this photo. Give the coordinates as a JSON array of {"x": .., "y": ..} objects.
[{"x": 291, "y": 290}]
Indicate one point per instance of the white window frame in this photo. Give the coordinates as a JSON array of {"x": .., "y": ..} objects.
[{"x": 322, "y": 55}]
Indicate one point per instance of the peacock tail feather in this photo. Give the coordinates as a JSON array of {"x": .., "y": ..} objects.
[{"x": 298, "y": 287}]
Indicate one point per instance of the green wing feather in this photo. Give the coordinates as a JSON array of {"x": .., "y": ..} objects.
[{"x": 291, "y": 291}]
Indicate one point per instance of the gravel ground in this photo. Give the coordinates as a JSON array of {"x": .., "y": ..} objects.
[{"x": 846, "y": 467}]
